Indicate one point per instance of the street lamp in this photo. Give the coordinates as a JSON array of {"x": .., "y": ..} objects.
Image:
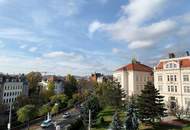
[{"x": 9, "y": 124}]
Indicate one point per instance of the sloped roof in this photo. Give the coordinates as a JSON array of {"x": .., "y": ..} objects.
[{"x": 136, "y": 67}]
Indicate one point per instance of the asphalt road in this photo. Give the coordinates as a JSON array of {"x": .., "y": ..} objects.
[{"x": 59, "y": 121}]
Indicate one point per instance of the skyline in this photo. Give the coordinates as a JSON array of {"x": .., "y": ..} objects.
[{"x": 82, "y": 37}]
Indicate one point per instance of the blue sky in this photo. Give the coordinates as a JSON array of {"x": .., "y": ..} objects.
[{"x": 85, "y": 36}]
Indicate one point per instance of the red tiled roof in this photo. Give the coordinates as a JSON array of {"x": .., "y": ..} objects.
[
  {"x": 183, "y": 63},
  {"x": 136, "y": 67}
]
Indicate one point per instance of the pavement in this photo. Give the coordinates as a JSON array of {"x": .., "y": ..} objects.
[{"x": 64, "y": 123}]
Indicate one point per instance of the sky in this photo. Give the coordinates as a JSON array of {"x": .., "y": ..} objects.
[{"x": 80, "y": 37}]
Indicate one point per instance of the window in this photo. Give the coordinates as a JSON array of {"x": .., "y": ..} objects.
[
  {"x": 187, "y": 101},
  {"x": 167, "y": 66},
  {"x": 4, "y": 94},
  {"x": 172, "y": 88},
  {"x": 170, "y": 65},
  {"x": 171, "y": 77},
  {"x": 175, "y": 88},
  {"x": 159, "y": 78},
  {"x": 186, "y": 89},
  {"x": 185, "y": 77},
  {"x": 137, "y": 78},
  {"x": 168, "y": 78},
  {"x": 175, "y": 66},
  {"x": 175, "y": 78},
  {"x": 168, "y": 88},
  {"x": 160, "y": 88}
]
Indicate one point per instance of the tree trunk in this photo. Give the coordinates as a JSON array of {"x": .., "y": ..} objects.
[{"x": 28, "y": 125}]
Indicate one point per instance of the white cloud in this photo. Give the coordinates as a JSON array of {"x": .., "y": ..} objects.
[
  {"x": 139, "y": 11},
  {"x": 2, "y": 45},
  {"x": 23, "y": 46},
  {"x": 94, "y": 26},
  {"x": 33, "y": 49},
  {"x": 140, "y": 44}
]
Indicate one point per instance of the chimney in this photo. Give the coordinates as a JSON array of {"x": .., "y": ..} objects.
[
  {"x": 171, "y": 55},
  {"x": 187, "y": 53}
]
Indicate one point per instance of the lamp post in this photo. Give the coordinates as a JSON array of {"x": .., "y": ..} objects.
[
  {"x": 89, "y": 122},
  {"x": 9, "y": 124}
]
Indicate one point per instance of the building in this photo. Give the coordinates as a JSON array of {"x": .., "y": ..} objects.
[
  {"x": 172, "y": 78},
  {"x": 133, "y": 77},
  {"x": 58, "y": 82},
  {"x": 12, "y": 86}
]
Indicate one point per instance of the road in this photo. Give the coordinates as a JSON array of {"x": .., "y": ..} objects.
[{"x": 59, "y": 121}]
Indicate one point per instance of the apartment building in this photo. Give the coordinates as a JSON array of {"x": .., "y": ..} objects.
[
  {"x": 133, "y": 77},
  {"x": 11, "y": 86},
  {"x": 172, "y": 78}
]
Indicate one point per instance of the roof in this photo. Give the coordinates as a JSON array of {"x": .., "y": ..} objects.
[
  {"x": 183, "y": 64},
  {"x": 136, "y": 67}
]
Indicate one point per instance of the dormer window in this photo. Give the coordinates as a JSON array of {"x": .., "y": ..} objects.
[{"x": 171, "y": 65}]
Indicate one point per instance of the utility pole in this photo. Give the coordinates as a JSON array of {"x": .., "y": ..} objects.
[
  {"x": 89, "y": 122},
  {"x": 9, "y": 124}
]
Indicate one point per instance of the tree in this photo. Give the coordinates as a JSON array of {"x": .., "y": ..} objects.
[
  {"x": 176, "y": 110},
  {"x": 116, "y": 122},
  {"x": 60, "y": 99},
  {"x": 55, "y": 109},
  {"x": 70, "y": 86},
  {"x": 33, "y": 79},
  {"x": 131, "y": 122},
  {"x": 44, "y": 109},
  {"x": 150, "y": 104},
  {"x": 110, "y": 93},
  {"x": 26, "y": 113},
  {"x": 92, "y": 104},
  {"x": 21, "y": 101}
]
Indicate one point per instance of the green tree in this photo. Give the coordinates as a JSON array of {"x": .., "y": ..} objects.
[
  {"x": 55, "y": 109},
  {"x": 131, "y": 122},
  {"x": 70, "y": 86},
  {"x": 44, "y": 109},
  {"x": 60, "y": 99},
  {"x": 110, "y": 93},
  {"x": 92, "y": 104},
  {"x": 26, "y": 113},
  {"x": 21, "y": 101},
  {"x": 116, "y": 122},
  {"x": 150, "y": 104},
  {"x": 33, "y": 79}
]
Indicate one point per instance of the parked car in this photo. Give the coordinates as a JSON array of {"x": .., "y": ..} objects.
[
  {"x": 66, "y": 115},
  {"x": 46, "y": 123}
]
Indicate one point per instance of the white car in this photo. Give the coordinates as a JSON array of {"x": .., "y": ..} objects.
[
  {"x": 46, "y": 123},
  {"x": 66, "y": 115}
]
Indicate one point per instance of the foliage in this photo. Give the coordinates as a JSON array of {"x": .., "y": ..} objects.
[
  {"x": 60, "y": 99},
  {"x": 150, "y": 104},
  {"x": 55, "y": 109},
  {"x": 44, "y": 109},
  {"x": 33, "y": 79},
  {"x": 109, "y": 93},
  {"x": 92, "y": 104},
  {"x": 70, "y": 86},
  {"x": 131, "y": 122},
  {"x": 21, "y": 101},
  {"x": 71, "y": 102},
  {"x": 100, "y": 121},
  {"x": 116, "y": 122}
]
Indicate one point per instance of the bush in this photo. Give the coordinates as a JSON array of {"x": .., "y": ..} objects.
[
  {"x": 100, "y": 121},
  {"x": 71, "y": 102}
]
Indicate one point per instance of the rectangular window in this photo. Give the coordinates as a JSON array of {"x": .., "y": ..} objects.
[
  {"x": 187, "y": 101},
  {"x": 175, "y": 88},
  {"x": 172, "y": 88},
  {"x": 186, "y": 89},
  {"x": 185, "y": 78},
  {"x": 137, "y": 78},
  {"x": 159, "y": 78},
  {"x": 171, "y": 77},
  {"x": 168, "y": 88},
  {"x": 175, "y": 78},
  {"x": 168, "y": 78}
]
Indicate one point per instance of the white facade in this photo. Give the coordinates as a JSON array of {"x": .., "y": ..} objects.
[
  {"x": 172, "y": 78},
  {"x": 132, "y": 80},
  {"x": 11, "y": 91}
]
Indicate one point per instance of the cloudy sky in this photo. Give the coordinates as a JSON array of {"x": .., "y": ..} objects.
[{"x": 85, "y": 36}]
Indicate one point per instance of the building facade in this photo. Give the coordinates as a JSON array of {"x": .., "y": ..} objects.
[
  {"x": 12, "y": 86},
  {"x": 133, "y": 77},
  {"x": 172, "y": 78}
]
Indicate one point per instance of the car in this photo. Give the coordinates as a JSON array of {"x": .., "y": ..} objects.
[
  {"x": 66, "y": 115},
  {"x": 46, "y": 123}
]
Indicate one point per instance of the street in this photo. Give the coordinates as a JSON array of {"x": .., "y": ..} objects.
[{"x": 64, "y": 123}]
